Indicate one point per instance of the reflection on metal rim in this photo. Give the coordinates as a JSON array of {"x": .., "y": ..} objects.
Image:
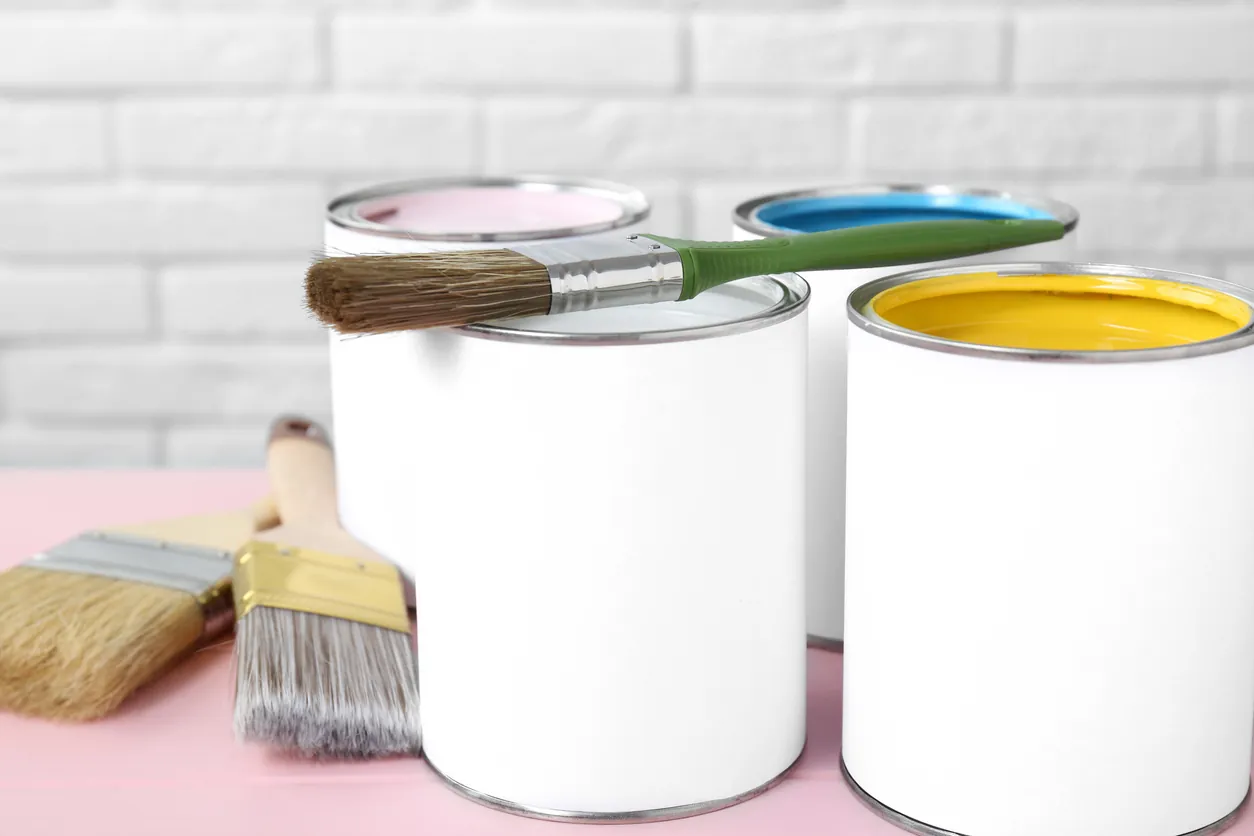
[
  {"x": 662, "y": 814},
  {"x": 745, "y": 215},
  {"x": 794, "y": 297},
  {"x": 913, "y": 826},
  {"x": 869, "y": 322}
]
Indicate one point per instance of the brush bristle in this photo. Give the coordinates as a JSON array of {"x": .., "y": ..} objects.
[
  {"x": 379, "y": 293},
  {"x": 74, "y": 647},
  {"x": 325, "y": 687}
]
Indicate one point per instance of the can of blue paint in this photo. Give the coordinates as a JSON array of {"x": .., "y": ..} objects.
[{"x": 820, "y": 209}]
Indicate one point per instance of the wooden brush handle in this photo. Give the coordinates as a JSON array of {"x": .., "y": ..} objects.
[
  {"x": 265, "y": 513},
  {"x": 301, "y": 467}
]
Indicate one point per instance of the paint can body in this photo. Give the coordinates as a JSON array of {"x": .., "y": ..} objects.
[
  {"x": 427, "y": 216},
  {"x": 1050, "y": 596},
  {"x": 602, "y": 513},
  {"x": 831, "y": 208}
]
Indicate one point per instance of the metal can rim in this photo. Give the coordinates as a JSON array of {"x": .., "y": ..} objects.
[
  {"x": 341, "y": 211},
  {"x": 745, "y": 215},
  {"x": 863, "y": 294},
  {"x": 794, "y": 298}
]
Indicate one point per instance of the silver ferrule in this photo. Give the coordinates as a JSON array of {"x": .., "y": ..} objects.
[
  {"x": 590, "y": 273},
  {"x": 204, "y": 573}
]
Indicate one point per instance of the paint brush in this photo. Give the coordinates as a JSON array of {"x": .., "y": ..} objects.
[
  {"x": 397, "y": 292},
  {"x": 324, "y": 659},
  {"x": 87, "y": 622}
]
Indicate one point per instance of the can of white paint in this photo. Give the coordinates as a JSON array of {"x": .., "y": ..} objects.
[
  {"x": 603, "y": 516},
  {"x": 1049, "y": 558},
  {"x": 817, "y": 210}
]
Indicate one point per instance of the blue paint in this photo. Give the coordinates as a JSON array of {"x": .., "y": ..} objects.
[{"x": 817, "y": 214}]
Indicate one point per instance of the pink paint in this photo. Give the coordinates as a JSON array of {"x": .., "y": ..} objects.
[{"x": 489, "y": 209}]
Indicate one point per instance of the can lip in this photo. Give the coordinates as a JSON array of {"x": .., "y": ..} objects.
[
  {"x": 794, "y": 298},
  {"x": 860, "y": 298},
  {"x": 342, "y": 210},
  {"x": 745, "y": 215}
]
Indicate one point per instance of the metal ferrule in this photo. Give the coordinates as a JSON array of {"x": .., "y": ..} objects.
[
  {"x": 315, "y": 582},
  {"x": 202, "y": 572},
  {"x": 590, "y": 273}
]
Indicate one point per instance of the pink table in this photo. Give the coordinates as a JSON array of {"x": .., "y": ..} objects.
[{"x": 168, "y": 762}]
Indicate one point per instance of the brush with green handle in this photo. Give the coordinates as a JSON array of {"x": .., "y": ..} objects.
[{"x": 378, "y": 293}]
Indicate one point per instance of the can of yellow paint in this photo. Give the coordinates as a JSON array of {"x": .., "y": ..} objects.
[{"x": 1049, "y": 554}]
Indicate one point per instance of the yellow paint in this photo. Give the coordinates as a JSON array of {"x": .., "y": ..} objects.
[
  {"x": 288, "y": 578},
  {"x": 1062, "y": 313}
]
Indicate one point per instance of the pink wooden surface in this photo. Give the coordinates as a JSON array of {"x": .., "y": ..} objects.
[{"x": 168, "y": 764}]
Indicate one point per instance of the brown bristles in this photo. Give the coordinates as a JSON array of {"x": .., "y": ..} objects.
[{"x": 371, "y": 294}]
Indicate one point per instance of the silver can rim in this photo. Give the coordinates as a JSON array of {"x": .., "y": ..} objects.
[
  {"x": 860, "y": 298},
  {"x": 343, "y": 212},
  {"x": 911, "y": 825},
  {"x": 745, "y": 215},
  {"x": 628, "y": 817},
  {"x": 794, "y": 298}
]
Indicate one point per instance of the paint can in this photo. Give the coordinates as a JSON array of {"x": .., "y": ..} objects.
[
  {"x": 1050, "y": 590},
  {"x": 429, "y": 215},
  {"x": 817, "y": 210},
  {"x": 603, "y": 516}
]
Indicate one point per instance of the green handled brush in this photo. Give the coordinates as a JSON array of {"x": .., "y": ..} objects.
[{"x": 378, "y": 293}]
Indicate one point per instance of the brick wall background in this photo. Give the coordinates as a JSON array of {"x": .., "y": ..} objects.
[{"x": 164, "y": 163}]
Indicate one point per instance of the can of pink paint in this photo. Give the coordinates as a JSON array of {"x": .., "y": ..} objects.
[
  {"x": 837, "y": 207},
  {"x": 430, "y": 215},
  {"x": 601, "y": 512}
]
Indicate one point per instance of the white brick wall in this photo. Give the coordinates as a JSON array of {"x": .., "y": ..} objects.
[
  {"x": 164, "y": 163},
  {"x": 1236, "y": 125},
  {"x": 232, "y": 300},
  {"x": 66, "y": 302},
  {"x": 640, "y": 137},
  {"x": 1014, "y": 135},
  {"x": 106, "y": 50},
  {"x": 40, "y": 138},
  {"x": 837, "y": 50},
  {"x": 508, "y": 50},
  {"x": 1189, "y": 46},
  {"x": 300, "y": 135},
  {"x": 171, "y": 382}
]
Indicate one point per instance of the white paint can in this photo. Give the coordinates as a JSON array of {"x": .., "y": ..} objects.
[
  {"x": 817, "y": 210},
  {"x": 603, "y": 515},
  {"x": 1050, "y": 560},
  {"x": 463, "y": 213}
]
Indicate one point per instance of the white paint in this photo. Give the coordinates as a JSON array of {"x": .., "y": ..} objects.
[
  {"x": 825, "y": 433},
  {"x": 607, "y": 545},
  {"x": 1050, "y": 591}
]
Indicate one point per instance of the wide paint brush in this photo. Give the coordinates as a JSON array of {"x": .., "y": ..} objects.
[
  {"x": 325, "y": 663},
  {"x": 379, "y": 293},
  {"x": 85, "y": 623}
]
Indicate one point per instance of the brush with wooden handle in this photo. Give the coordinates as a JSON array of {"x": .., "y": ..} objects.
[
  {"x": 379, "y": 293},
  {"x": 325, "y": 663},
  {"x": 85, "y": 623}
]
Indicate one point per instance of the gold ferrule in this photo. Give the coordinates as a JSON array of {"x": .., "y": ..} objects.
[{"x": 303, "y": 580}]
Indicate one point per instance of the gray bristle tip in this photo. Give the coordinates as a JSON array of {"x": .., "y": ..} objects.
[{"x": 324, "y": 687}]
